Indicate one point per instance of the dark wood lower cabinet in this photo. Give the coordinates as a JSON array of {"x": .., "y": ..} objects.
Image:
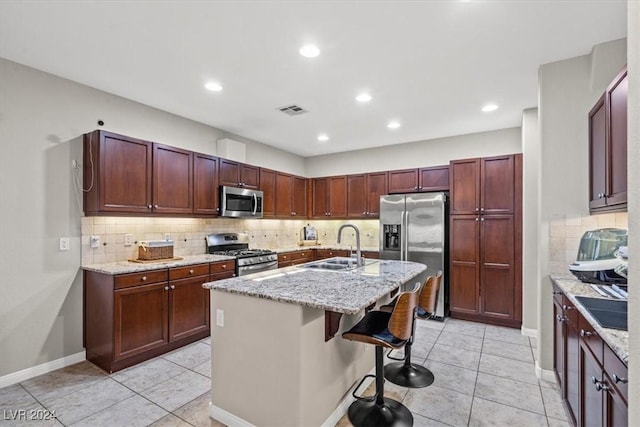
[
  {"x": 129, "y": 318},
  {"x": 593, "y": 380}
]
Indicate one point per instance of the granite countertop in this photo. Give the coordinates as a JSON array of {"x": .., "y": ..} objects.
[
  {"x": 616, "y": 339},
  {"x": 345, "y": 291},
  {"x": 330, "y": 246},
  {"x": 123, "y": 267}
]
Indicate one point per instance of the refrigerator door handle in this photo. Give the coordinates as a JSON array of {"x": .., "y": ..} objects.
[
  {"x": 406, "y": 236},
  {"x": 402, "y": 238}
]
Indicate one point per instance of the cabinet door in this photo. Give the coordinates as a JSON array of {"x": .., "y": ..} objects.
[
  {"x": 591, "y": 399},
  {"x": 597, "y": 155},
  {"x": 124, "y": 177},
  {"x": 497, "y": 266},
  {"x": 205, "y": 184},
  {"x": 572, "y": 370},
  {"x": 268, "y": 187},
  {"x": 617, "y": 173},
  {"x": 356, "y": 196},
  {"x": 172, "y": 180},
  {"x": 376, "y": 187},
  {"x": 229, "y": 173},
  {"x": 497, "y": 185},
  {"x": 189, "y": 307},
  {"x": 616, "y": 407},
  {"x": 434, "y": 178},
  {"x": 299, "y": 201},
  {"x": 559, "y": 344},
  {"x": 403, "y": 181},
  {"x": 464, "y": 259},
  {"x": 249, "y": 176},
  {"x": 284, "y": 183},
  {"x": 338, "y": 196},
  {"x": 141, "y": 319},
  {"x": 320, "y": 197},
  {"x": 464, "y": 178}
]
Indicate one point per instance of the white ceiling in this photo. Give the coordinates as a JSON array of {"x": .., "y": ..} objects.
[{"x": 429, "y": 64}]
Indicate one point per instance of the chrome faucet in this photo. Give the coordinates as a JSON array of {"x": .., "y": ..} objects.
[{"x": 358, "y": 260}]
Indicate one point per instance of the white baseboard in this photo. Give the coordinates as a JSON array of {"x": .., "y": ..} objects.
[
  {"x": 545, "y": 374},
  {"x": 231, "y": 420},
  {"x": 43, "y": 368},
  {"x": 528, "y": 332}
]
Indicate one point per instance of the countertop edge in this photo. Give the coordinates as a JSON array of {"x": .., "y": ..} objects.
[
  {"x": 124, "y": 267},
  {"x": 616, "y": 339}
]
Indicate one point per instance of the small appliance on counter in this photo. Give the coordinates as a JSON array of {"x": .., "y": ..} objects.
[
  {"x": 308, "y": 236},
  {"x": 600, "y": 260}
]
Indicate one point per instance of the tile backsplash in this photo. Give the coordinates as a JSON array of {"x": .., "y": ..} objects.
[
  {"x": 189, "y": 234},
  {"x": 565, "y": 232}
]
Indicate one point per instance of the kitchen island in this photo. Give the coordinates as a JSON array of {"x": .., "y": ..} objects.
[{"x": 273, "y": 361}]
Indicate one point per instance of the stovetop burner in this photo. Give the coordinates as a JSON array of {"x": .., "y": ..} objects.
[{"x": 243, "y": 253}]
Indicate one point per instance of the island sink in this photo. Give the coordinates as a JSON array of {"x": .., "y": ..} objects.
[{"x": 336, "y": 263}]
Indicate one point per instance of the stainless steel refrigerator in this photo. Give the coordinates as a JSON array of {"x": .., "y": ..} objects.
[{"x": 413, "y": 227}]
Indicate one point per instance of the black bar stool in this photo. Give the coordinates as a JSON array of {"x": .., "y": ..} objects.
[
  {"x": 405, "y": 373},
  {"x": 388, "y": 330}
]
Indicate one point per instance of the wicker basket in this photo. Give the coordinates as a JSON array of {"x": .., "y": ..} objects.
[{"x": 155, "y": 249}]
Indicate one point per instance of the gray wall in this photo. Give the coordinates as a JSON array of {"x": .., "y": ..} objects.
[
  {"x": 567, "y": 91},
  {"x": 633, "y": 160},
  {"x": 41, "y": 121},
  {"x": 431, "y": 152}
]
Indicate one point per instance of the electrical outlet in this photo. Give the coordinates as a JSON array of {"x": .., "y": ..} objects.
[
  {"x": 64, "y": 244},
  {"x": 220, "y": 318},
  {"x": 167, "y": 236},
  {"x": 95, "y": 241},
  {"x": 128, "y": 239}
]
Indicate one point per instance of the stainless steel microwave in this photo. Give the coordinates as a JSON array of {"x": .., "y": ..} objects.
[{"x": 240, "y": 202}]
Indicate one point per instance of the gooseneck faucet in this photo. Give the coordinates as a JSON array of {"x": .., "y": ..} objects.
[{"x": 359, "y": 260}]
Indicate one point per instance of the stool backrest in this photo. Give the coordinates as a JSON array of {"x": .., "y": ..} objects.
[
  {"x": 429, "y": 295},
  {"x": 401, "y": 321}
]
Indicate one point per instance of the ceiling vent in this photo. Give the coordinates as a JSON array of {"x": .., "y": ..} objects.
[{"x": 293, "y": 110}]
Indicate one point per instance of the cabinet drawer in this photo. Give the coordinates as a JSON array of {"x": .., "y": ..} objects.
[
  {"x": 188, "y": 271},
  {"x": 294, "y": 256},
  {"x": 590, "y": 337},
  {"x": 617, "y": 371},
  {"x": 223, "y": 267},
  {"x": 144, "y": 278},
  {"x": 330, "y": 253},
  {"x": 371, "y": 254}
]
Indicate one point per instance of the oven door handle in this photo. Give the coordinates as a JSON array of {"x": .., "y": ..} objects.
[
  {"x": 262, "y": 266},
  {"x": 255, "y": 204}
]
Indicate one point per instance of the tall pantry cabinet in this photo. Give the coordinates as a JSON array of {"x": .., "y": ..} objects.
[{"x": 486, "y": 239}]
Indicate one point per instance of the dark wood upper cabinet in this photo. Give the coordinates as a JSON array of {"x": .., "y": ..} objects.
[
  {"x": 299, "y": 197},
  {"x": 284, "y": 195},
  {"x": 329, "y": 197},
  {"x": 117, "y": 174},
  {"x": 435, "y": 178},
  {"x": 363, "y": 194},
  {"x": 172, "y": 180},
  {"x": 465, "y": 187},
  {"x": 268, "y": 187},
  {"x": 608, "y": 148},
  {"x": 237, "y": 174},
  {"x": 205, "y": 184},
  {"x": 497, "y": 180}
]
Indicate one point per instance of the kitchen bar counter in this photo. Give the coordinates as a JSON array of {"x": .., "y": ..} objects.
[
  {"x": 123, "y": 267},
  {"x": 329, "y": 246},
  {"x": 344, "y": 291},
  {"x": 616, "y": 339}
]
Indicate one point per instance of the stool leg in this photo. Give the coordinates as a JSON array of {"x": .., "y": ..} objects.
[{"x": 384, "y": 411}]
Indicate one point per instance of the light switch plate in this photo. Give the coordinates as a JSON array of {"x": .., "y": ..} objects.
[
  {"x": 64, "y": 244},
  {"x": 219, "y": 317},
  {"x": 95, "y": 241},
  {"x": 128, "y": 239}
]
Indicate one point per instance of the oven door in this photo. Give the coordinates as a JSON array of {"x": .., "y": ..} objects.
[
  {"x": 257, "y": 268},
  {"x": 240, "y": 202}
]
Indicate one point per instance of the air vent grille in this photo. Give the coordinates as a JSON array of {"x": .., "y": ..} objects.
[{"x": 293, "y": 110}]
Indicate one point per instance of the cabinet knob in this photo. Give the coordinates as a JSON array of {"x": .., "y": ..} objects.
[
  {"x": 284, "y": 256},
  {"x": 477, "y": 219},
  {"x": 481, "y": 209},
  {"x": 233, "y": 275},
  {"x": 584, "y": 333},
  {"x": 556, "y": 292},
  {"x": 172, "y": 286},
  {"x": 156, "y": 206},
  {"x": 560, "y": 318},
  {"x": 329, "y": 214},
  {"x": 415, "y": 188},
  {"x": 190, "y": 271},
  {"x": 144, "y": 278},
  {"x": 482, "y": 219},
  {"x": 166, "y": 288},
  {"x": 599, "y": 385},
  {"x": 149, "y": 206},
  {"x": 419, "y": 187},
  {"x": 566, "y": 307},
  {"x": 293, "y": 213},
  {"x": 617, "y": 379},
  {"x": 224, "y": 265},
  {"x": 477, "y": 210},
  {"x": 600, "y": 195}
]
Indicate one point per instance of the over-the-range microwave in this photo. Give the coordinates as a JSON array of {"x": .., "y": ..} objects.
[{"x": 240, "y": 202}]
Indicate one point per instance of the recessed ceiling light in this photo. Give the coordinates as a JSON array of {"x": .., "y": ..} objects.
[
  {"x": 363, "y": 97},
  {"x": 393, "y": 124},
  {"x": 309, "y": 51},
  {"x": 489, "y": 107},
  {"x": 323, "y": 137},
  {"x": 213, "y": 86}
]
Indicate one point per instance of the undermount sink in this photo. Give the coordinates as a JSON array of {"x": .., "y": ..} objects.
[
  {"x": 328, "y": 266},
  {"x": 609, "y": 313},
  {"x": 336, "y": 263}
]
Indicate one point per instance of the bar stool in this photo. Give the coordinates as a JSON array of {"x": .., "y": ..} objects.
[
  {"x": 384, "y": 330},
  {"x": 404, "y": 373}
]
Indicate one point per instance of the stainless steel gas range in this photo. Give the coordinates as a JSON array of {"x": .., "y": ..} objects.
[{"x": 248, "y": 261}]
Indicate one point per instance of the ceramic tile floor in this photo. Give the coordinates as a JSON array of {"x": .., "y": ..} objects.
[{"x": 484, "y": 377}]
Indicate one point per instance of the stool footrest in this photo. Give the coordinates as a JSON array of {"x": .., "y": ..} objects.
[
  {"x": 364, "y": 398},
  {"x": 399, "y": 359}
]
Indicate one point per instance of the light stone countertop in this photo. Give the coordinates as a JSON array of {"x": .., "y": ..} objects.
[
  {"x": 345, "y": 291},
  {"x": 330, "y": 246},
  {"x": 616, "y": 339},
  {"x": 123, "y": 267}
]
